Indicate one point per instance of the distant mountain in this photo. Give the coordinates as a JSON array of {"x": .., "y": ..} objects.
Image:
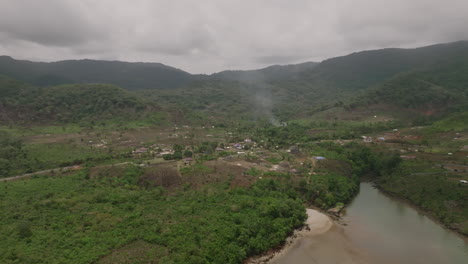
[
  {"x": 401, "y": 78},
  {"x": 362, "y": 69},
  {"x": 23, "y": 103},
  {"x": 268, "y": 74},
  {"x": 125, "y": 74},
  {"x": 295, "y": 90}
]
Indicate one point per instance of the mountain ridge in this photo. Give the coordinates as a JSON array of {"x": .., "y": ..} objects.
[{"x": 278, "y": 92}]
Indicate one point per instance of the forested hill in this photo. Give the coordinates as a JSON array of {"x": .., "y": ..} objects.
[
  {"x": 23, "y": 103},
  {"x": 355, "y": 71},
  {"x": 400, "y": 77},
  {"x": 271, "y": 73},
  {"x": 362, "y": 69},
  {"x": 435, "y": 90},
  {"x": 124, "y": 74}
]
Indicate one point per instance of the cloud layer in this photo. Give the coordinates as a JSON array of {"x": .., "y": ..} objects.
[{"x": 204, "y": 36}]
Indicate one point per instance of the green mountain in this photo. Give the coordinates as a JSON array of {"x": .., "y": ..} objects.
[
  {"x": 425, "y": 80},
  {"x": 363, "y": 69},
  {"x": 20, "y": 102},
  {"x": 268, "y": 74},
  {"x": 124, "y": 74},
  {"x": 429, "y": 93},
  {"x": 298, "y": 91}
]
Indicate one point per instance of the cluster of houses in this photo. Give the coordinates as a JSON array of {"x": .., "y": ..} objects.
[
  {"x": 239, "y": 146},
  {"x": 156, "y": 149}
]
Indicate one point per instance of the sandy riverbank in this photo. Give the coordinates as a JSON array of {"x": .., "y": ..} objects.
[{"x": 317, "y": 223}]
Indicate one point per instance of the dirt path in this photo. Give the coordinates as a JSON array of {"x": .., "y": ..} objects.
[
  {"x": 28, "y": 175},
  {"x": 56, "y": 170},
  {"x": 69, "y": 168}
]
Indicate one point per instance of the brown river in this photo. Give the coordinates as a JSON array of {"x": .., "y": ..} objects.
[{"x": 379, "y": 230}]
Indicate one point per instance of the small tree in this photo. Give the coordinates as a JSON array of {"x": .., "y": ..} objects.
[
  {"x": 24, "y": 230},
  {"x": 188, "y": 154}
]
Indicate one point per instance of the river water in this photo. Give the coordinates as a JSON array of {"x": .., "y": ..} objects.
[{"x": 380, "y": 230}]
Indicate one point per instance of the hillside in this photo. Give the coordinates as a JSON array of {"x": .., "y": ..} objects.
[
  {"x": 363, "y": 69},
  {"x": 268, "y": 74},
  {"x": 124, "y": 74},
  {"x": 20, "y": 102},
  {"x": 400, "y": 78},
  {"x": 297, "y": 91},
  {"x": 428, "y": 93}
]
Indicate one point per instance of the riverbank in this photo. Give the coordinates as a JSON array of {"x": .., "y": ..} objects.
[
  {"x": 317, "y": 223},
  {"x": 456, "y": 228}
]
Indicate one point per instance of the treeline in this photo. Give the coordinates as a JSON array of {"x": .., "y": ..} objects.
[
  {"x": 432, "y": 189},
  {"x": 435, "y": 191},
  {"x": 337, "y": 181},
  {"x": 14, "y": 157},
  {"x": 307, "y": 133}
]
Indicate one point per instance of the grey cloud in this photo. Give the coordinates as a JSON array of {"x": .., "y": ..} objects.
[
  {"x": 188, "y": 41},
  {"x": 49, "y": 23},
  {"x": 212, "y": 35},
  {"x": 279, "y": 59},
  {"x": 402, "y": 23}
]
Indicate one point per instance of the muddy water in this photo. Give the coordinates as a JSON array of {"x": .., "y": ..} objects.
[{"x": 380, "y": 230}]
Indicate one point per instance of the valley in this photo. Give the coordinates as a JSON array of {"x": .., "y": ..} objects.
[{"x": 221, "y": 168}]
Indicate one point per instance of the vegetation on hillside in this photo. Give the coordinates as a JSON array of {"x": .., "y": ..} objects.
[
  {"x": 21, "y": 103},
  {"x": 436, "y": 91},
  {"x": 124, "y": 74},
  {"x": 427, "y": 78}
]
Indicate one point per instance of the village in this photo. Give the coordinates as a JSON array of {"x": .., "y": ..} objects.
[{"x": 185, "y": 146}]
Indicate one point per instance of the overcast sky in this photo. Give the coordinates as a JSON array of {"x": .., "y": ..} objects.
[{"x": 204, "y": 36}]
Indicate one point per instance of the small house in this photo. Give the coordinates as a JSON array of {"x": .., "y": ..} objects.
[
  {"x": 294, "y": 150},
  {"x": 238, "y": 146},
  {"x": 188, "y": 161},
  {"x": 140, "y": 150}
]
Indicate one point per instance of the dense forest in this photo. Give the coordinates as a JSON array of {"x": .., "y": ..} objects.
[{"x": 22, "y": 103}]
